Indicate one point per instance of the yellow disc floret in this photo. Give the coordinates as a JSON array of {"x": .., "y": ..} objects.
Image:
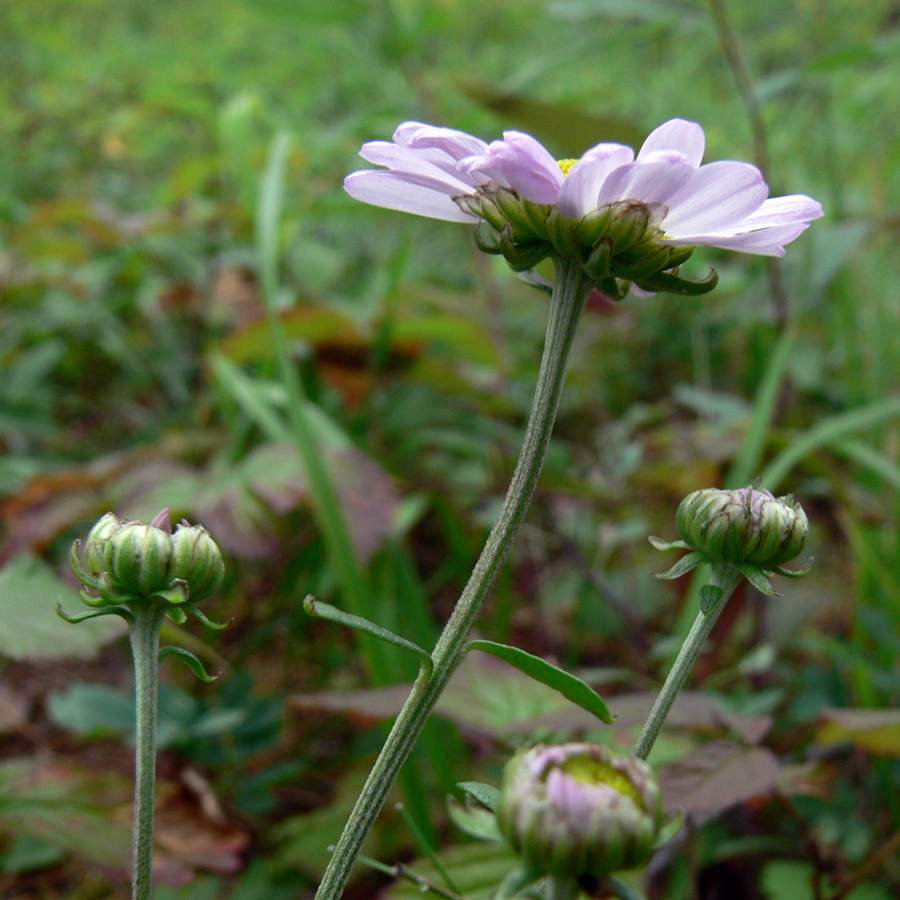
[
  {"x": 592, "y": 771},
  {"x": 566, "y": 164}
]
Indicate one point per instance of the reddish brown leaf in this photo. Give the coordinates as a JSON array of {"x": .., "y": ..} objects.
[{"x": 718, "y": 775}]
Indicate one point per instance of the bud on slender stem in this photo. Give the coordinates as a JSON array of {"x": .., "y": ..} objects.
[{"x": 579, "y": 811}]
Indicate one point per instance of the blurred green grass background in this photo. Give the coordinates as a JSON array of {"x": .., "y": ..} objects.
[{"x": 138, "y": 369}]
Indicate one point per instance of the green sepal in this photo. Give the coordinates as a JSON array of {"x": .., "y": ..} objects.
[
  {"x": 597, "y": 263},
  {"x": 75, "y": 562},
  {"x": 122, "y": 611},
  {"x": 176, "y": 595},
  {"x": 488, "y": 241},
  {"x": 91, "y": 600},
  {"x": 486, "y": 794},
  {"x": 536, "y": 280},
  {"x": 521, "y": 256},
  {"x": 794, "y": 573},
  {"x": 660, "y": 544},
  {"x": 612, "y": 287},
  {"x": 757, "y": 578},
  {"x": 645, "y": 264},
  {"x": 710, "y": 598},
  {"x": 683, "y": 566},
  {"x": 177, "y": 615},
  {"x": 325, "y": 611},
  {"x": 189, "y": 660},
  {"x": 673, "y": 284},
  {"x": 570, "y": 686},
  {"x": 516, "y": 880},
  {"x": 209, "y": 623},
  {"x": 474, "y": 820}
]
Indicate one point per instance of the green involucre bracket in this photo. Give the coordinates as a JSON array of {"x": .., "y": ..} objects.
[
  {"x": 122, "y": 611},
  {"x": 570, "y": 686},
  {"x": 189, "y": 660},
  {"x": 314, "y": 607}
]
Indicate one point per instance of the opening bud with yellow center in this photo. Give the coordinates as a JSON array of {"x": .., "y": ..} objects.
[{"x": 579, "y": 811}]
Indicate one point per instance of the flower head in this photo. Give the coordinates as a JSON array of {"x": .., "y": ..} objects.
[
  {"x": 128, "y": 562},
  {"x": 749, "y": 528},
  {"x": 579, "y": 810},
  {"x": 635, "y": 218}
]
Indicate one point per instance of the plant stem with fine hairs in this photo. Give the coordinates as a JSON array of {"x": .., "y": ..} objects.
[{"x": 570, "y": 291}]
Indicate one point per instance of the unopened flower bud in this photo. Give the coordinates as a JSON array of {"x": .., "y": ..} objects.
[
  {"x": 138, "y": 558},
  {"x": 196, "y": 560},
  {"x": 743, "y": 526},
  {"x": 579, "y": 810},
  {"x": 95, "y": 545}
]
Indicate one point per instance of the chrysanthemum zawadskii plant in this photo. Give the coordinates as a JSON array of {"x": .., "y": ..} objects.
[
  {"x": 610, "y": 220},
  {"x": 145, "y": 573}
]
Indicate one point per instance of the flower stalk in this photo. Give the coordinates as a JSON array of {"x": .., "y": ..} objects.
[
  {"x": 144, "y": 636},
  {"x": 724, "y": 579},
  {"x": 570, "y": 293}
]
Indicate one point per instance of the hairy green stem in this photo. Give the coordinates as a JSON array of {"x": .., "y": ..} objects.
[
  {"x": 570, "y": 292},
  {"x": 144, "y": 635},
  {"x": 726, "y": 577}
]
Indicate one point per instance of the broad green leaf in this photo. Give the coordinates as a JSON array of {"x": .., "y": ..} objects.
[
  {"x": 92, "y": 710},
  {"x": 570, "y": 686},
  {"x": 474, "y": 819},
  {"x": 486, "y": 794},
  {"x": 29, "y": 625}
]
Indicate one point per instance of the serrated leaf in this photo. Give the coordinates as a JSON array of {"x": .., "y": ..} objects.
[
  {"x": 29, "y": 625},
  {"x": 570, "y": 686}
]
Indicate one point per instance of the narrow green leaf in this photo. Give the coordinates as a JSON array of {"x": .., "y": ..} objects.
[
  {"x": 660, "y": 544},
  {"x": 75, "y": 618},
  {"x": 683, "y": 566},
  {"x": 868, "y": 457},
  {"x": 830, "y": 431},
  {"x": 189, "y": 660},
  {"x": 764, "y": 403},
  {"x": 486, "y": 794},
  {"x": 755, "y": 576},
  {"x": 325, "y": 611},
  {"x": 570, "y": 686},
  {"x": 209, "y": 623}
]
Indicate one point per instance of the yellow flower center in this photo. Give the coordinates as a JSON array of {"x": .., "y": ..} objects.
[
  {"x": 592, "y": 771},
  {"x": 566, "y": 164}
]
